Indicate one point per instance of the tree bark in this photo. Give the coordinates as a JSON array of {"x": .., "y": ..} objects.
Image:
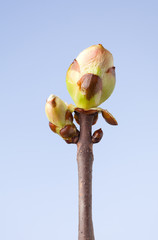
[{"x": 85, "y": 162}]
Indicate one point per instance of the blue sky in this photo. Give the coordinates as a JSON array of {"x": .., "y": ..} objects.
[{"x": 38, "y": 171}]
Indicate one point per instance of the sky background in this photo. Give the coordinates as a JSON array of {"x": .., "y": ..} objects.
[{"x": 38, "y": 170}]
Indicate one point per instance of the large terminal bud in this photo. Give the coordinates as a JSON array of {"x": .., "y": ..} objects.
[{"x": 90, "y": 78}]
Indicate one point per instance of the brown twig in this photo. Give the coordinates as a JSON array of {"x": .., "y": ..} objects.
[
  {"x": 85, "y": 162},
  {"x": 85, "y": 140}
]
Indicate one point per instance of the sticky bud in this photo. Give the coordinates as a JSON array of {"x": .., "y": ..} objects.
[
  {"x": 57, "y": 112},
  {"x": 90, "y": 78},
  {"x": 60, "y": 118}
]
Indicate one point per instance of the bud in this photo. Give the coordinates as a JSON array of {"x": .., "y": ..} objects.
[
  {"x": 60, "y": 118},
  {"x": 90, "y": 78},
  {"x": 97, "y": 136},
  {"x": 57, "y": 111}
]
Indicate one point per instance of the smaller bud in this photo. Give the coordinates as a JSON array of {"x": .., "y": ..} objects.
[
  {"x": 60, "y": 119},
  {"x": 97, "y": 136},
  {"x": 57, "y": 111}
]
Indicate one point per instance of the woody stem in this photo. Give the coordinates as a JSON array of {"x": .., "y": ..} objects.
[{"x": 85, "y": 162}]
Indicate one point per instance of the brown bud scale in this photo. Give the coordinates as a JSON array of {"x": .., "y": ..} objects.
[
  {"x": 68, "y": 116},
  {"x": 68, "y": 131},
  {"x": 52, "y": 127},
  {"x": 90, "y": 84},
  {"x": 109, "y": 118},
  {"x": 53, "y": 102}
]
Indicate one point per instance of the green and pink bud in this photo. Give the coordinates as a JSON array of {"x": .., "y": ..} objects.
[
  {"x": 60, "y": 117},
  {"x": 90, "y": 78}
]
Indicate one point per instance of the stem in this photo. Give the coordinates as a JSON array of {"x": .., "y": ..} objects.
[{"x": 85, "y": 162}]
